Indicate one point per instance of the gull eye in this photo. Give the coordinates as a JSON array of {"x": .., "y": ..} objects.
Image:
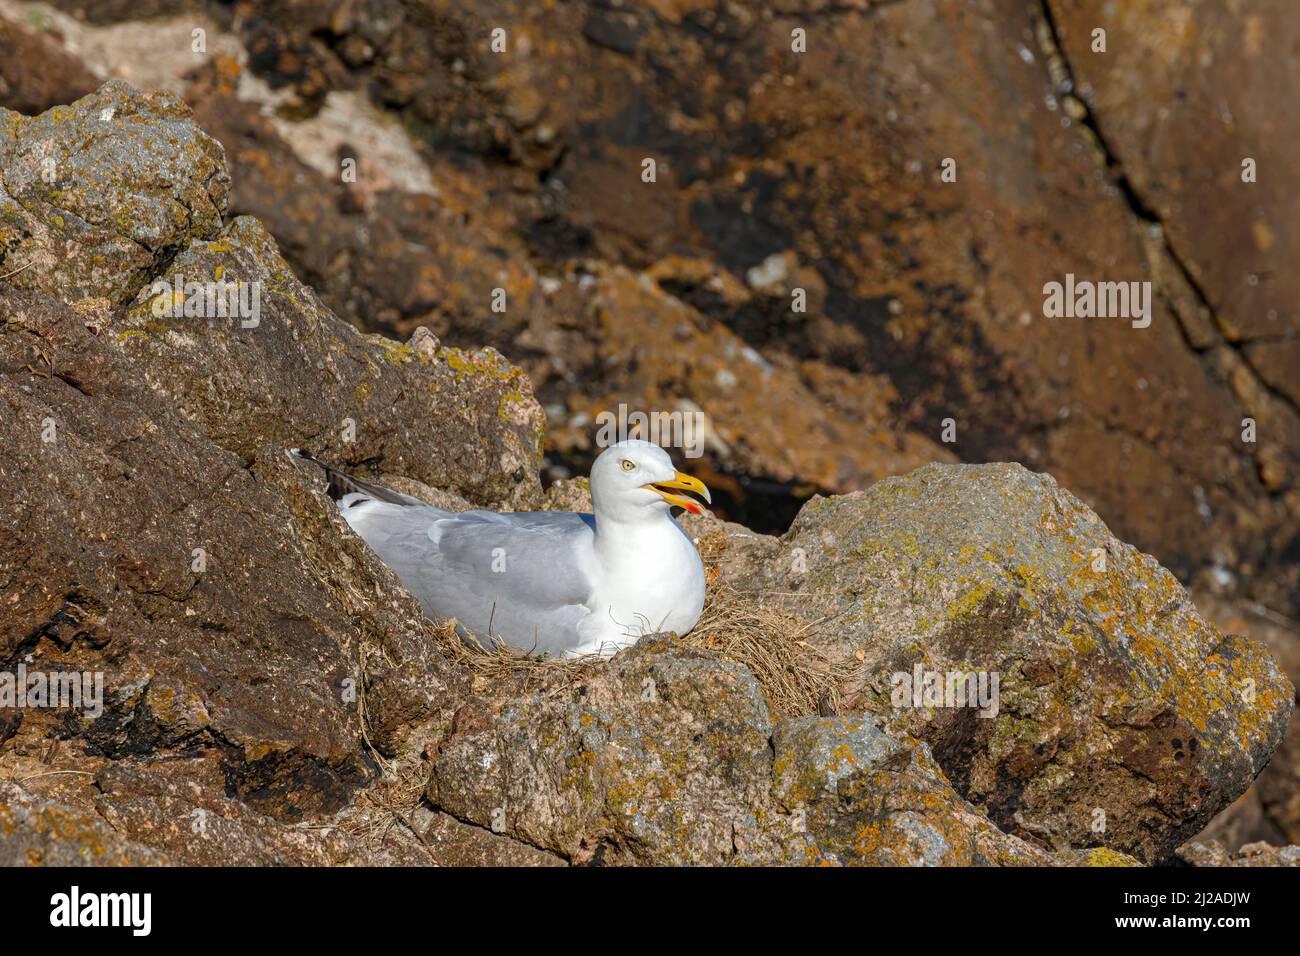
[{"x": 629, "y": 464}]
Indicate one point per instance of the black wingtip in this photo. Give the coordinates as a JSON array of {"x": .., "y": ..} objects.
[{"x": 340, "y": 483}]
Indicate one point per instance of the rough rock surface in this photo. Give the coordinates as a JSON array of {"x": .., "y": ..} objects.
[
  {"x": 590, "y": 336},
  {"x": 36, "y": 832},
  {"x": 269, "y": 683},
  {"x": 1253, "y": 854},
  {"x": 818, "y": 170},
  {"x": 96, "y": 196},
  {"x": 158, "y": 534},
  {"x": 1119, "y": 706},
  {"x": 1270, "y": 810},
  {"x": 669, "y": 756}
]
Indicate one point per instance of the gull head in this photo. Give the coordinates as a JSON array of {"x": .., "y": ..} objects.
[{"x": 635, "y": 481}]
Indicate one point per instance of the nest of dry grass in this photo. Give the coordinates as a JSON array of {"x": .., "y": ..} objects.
[
  {"x": 549, "y": 675},
  {"x": 795, "y": 675}
]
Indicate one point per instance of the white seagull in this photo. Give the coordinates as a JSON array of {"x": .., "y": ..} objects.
[{"x": 554, "y": 583}]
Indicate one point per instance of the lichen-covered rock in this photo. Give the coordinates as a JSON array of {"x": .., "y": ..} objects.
[
  {"x": 180, "y": 808},
  {"x": 452, "y": 842},
  {"x": 456, "y": 419},
  {"x": 262, "y": 668},
  {"x": 866, "y": 798},
  {"x": 668, "y": 756},
  {"x": 1252, "y": 854},
  {"x": 803, "y": 172},
  {"x": 156, "y": 533},
  {"x": 94, "y": 196},
  {"x": 1120, "y": 717},
  {"x": 1097, "y": 856},
  {"x": 36, "y": 832},
  {"x": 1270, "y": 809},
  {"x": 139, "y": 549},
  {"x": 657, "y": 757}
]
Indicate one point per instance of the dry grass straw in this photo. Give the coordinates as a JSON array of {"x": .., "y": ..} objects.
[
  {"x": 504, "y": 663},
  {"x": 777, "y": 646},
  {"x": 387, "y": 804}
]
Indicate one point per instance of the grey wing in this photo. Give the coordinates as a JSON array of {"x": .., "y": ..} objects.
[{"x": 521, "y": 578}]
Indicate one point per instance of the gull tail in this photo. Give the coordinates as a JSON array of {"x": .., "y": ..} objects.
[{"x": 349, "y": 490}]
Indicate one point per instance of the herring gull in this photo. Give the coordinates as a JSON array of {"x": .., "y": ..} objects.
[{"x": 554, "y": 583}]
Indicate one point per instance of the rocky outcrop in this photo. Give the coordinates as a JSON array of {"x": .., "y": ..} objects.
[
  {"x": 272, "y": 695},
  {"x": 156, "y": 533},
  {"x": 1120, "y": 715},
  {"x": 590, "y": 335},
  {"x": 818, "y": 171},
  {"x": 36, "y": 832},
  {"x": 83, "y": 213}
]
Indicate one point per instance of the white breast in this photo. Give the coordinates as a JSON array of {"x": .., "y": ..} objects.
[{"x": 648, "y": 582}]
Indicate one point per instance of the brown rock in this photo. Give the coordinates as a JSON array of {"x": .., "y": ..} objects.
[
  {"x": 1254, "y": 854},
  {"x": 158, "y": 535},
  {"x": 36, "y": 72}
]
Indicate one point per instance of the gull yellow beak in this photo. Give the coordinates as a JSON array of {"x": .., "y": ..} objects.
[{"x": 685, "y": 483}]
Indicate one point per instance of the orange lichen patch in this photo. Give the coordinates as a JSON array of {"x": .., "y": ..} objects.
[{"x": 89, "y": 839}]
